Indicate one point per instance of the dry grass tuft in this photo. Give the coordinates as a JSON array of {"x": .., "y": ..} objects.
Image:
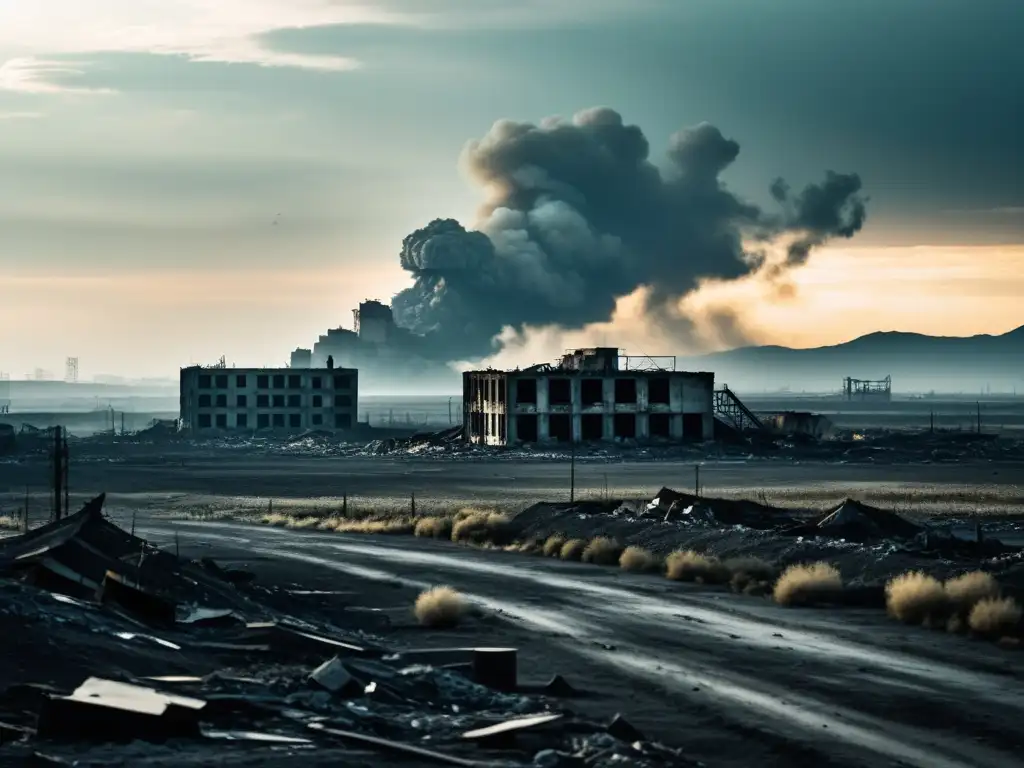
[
  {"x": 531, "y": 547},
  {"x": 916, "y": 598},
  {"x": 639, "y": 559},
  {"x": 302, "y": 523},
  {"x": 482, "y": 528},
  {"x": 434, "y": 528},
  {"x": 573, "y": 550},
  {"x": 553, "y": 545},
  {"x": 397, "y": 527},
  {"x": 690, "y": 565},
  {"x": 440, "y": 608},
  {"x": 808, "y": 584},
  {"x": 969, "y": 589},
  {"x": 602, "y": 550},
  {"x": 995, "y": 617}
]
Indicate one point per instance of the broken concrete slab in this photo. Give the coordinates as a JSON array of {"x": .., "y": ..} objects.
[
  {"x": 102, "y": 710},
  {"x": 334, "y": 678}
]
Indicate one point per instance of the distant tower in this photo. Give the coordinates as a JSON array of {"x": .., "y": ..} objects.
[
  {"x": 5, "y": 392},
  {"x": 71, "y": 370}
]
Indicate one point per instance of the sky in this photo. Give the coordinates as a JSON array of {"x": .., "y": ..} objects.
[{"x": 185, "y": 179}]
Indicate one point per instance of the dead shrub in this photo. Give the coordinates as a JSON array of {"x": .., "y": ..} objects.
[
  {"x": 573, "y": 550},
  {"x": 553, "y": 545},
  {"x": 602, "y": 550},
  {"x": 531, "y": 547},
  {"x": 397, "y": 527},
  {"x": 638, "y": 559},
  {"x": 690, "y": 565},
  {"x": 994, "y": 617},
  {"x": 433, "y": 528},
  {"x": 808, "y": 584},
  {"x": 750, "y": 575},
  {"x": 440, "y": 608},
  {"x": 483, "y": 528},
  {"x": 969, "y": 589},
  {"x": 916, "y": 598}
]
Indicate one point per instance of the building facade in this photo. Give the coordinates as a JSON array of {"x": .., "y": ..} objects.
[
  {"x": 268, "y": 399},
  {"x": 587, "y": 397}
]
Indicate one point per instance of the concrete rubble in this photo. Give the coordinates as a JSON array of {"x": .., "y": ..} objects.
[{"x": 111, "y": 642}]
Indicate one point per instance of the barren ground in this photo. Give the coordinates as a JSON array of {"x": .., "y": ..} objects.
[{"x": 737, "y": 680}]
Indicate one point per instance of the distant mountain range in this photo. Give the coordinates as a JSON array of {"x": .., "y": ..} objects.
[{"x": 916, "y": 362}]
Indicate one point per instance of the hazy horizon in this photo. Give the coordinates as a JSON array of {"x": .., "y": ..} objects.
[{"x": 194, "y": 180}]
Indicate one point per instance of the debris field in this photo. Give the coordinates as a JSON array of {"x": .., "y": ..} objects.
[{"x": 118, "y": 653}]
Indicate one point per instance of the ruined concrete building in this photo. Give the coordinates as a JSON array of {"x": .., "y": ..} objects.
[
  {"x": 219, "y": 399},
  {"x": 590, "y": 395}
]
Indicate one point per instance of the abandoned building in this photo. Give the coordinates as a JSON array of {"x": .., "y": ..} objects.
[
  {"x": 220, "y": 399},
  {"x": 590, "y": 395},
  {"x": 863, "y": 389}
]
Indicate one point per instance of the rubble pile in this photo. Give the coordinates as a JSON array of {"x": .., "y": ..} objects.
[{"x": 110, "y": 642}]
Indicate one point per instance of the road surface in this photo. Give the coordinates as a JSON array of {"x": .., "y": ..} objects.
[{"x": 738, "y": 680}]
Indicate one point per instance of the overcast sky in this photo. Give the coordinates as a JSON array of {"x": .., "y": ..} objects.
[{"x": 148, "y": 146}]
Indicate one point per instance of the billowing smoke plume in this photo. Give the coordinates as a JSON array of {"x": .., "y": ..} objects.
[{"x": 577, "y": 216}]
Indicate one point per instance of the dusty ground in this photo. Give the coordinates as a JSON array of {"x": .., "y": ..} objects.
[
  {"x": 229, "y": 480},
  {"x": 737, "y": 680}
]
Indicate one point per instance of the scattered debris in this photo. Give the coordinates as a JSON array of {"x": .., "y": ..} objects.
[{"x": 237, "y": 674}]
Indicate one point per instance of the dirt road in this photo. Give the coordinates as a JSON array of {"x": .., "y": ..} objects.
[{"x": 737, "y": 680}]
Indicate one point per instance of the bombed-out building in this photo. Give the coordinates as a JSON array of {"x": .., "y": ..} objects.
[
  {"x": 590, "y": 395},
  {"x": 219, "y": 399}
]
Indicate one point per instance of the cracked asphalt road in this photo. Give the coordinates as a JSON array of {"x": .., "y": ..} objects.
[{"x": 738, "y": 680}]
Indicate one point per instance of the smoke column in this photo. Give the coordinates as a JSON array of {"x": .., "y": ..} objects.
[{"x": 576, "y": 216}]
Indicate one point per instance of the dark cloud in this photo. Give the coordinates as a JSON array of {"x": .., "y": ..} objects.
[{"x": 577, "y": 215}]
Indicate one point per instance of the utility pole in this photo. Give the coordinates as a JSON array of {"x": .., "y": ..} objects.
[
  {"x": 931, "y": 422},
  {"x": 58, "y": 474},
  {"x": 696, "y": 480},
  {"x": 978, "y": 405},
  {"x": 449, "y": 411}
]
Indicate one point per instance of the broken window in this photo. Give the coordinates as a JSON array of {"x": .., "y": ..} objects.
[
  {"x": 294, "y": 381},
  {"x": 560, "y": 427},
  {"x": 242, "y": 401},
  {"x": 242, "y": 420},
  {"x": 222, "y": 401},
  {"x": 222, "y": 421},
  {"x": 317, "y": 382},
  {"x": 204, "y": 421},
  {"x": 342, "y": 382},
  {"x": 658, "y": 390},
  {"x": 625, "y": 424},
  {"x": 343, "y": 421},
  {"x": 262, "y": 420},
  {"x": 625, "y": 391},
  {"x": 278, "y": 419},
  {"x": 693, "y": 426},
  {"x": 240, "y": 382},
  {"x": 343, "y": 401},
  {"x": 279, "y": 401},
  {"x": 295, "y": 420},
  {"x": 262, "y": 401},
  {"x": 205, "y": 382},
  {"x": 204, "y": 401},
  {"x": 222, "y": 382},
  {"x": 526, "y": 426},
  {"x": 592, "y": 391},
  {"x": 262, "y": 382},
  {"x": 660, "y": 425},
  {"x": 318, "y": 419},
  {"x": 294, "y": 401},
  {"x": 526, "y": 392},
  {"x": 318, "y": 401},
  {"x": 279, "y": 381},
  {"x": 559, "y": 391},
  {"x": 592, "y": 425},
  {"x": 501, "y": 391}
]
